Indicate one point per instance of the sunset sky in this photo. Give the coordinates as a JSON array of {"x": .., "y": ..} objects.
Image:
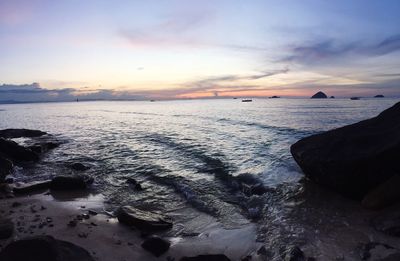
[{"x": 58, "y": 50}]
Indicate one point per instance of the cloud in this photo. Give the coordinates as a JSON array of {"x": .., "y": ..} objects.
[{"x": 328, "y": 50}]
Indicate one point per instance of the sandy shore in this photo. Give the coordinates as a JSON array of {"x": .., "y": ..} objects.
[{"x": 105, "y": 238}]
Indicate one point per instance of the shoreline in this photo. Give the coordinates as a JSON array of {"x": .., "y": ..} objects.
[{"x": 106, "y": 239}]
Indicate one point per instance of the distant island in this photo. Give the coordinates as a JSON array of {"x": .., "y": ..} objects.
[{"x": 319, "y": 95}]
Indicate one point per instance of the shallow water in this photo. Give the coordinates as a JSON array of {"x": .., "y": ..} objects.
[{"x": 191, "y": 156}]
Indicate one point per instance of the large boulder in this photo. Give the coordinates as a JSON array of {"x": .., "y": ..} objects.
[
  {"x": 31, "y": 187},
  {"x": 12, "y": 151},
  {"x": 18, "y": 133},
  {"x": 143, "y": 220},
  {"x": 44, "y": 248},
  {"x": 319, "y": 95},
  {"x": 71, "y": 182},
  {"x": 6, "y": 228},
  {"x": 353, "y": 159}
]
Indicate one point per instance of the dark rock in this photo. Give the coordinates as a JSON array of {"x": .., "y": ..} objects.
[
  {"x": 379, "y": 96},
  {"x": 131, "y": 181},
  {"x": 156, "y": 245},
  {"x": 6, "y": 228},
  {"x": 294, "y": 254},
  {"x": 353, "y": 159},
  {"x": 384, "y": 195},
  {"x": 79, "y": 167},
  {"x": 354, "y": 98},
  {"x": 6, "y": 167},
  {"x": 332, "y": 97},
  {"x": 71, "y": 182},
  {"x": 12, "y": 151},
  {"x": 143, "y": 220},
  {"x": 43, "y": 248},
  {"x": 218, "y": 257},
  {"x": 388, "y": 223},
  {"x": 274, "y": 97},
  {"x": 19, "y": 133},
  {"x": 379, "y": 251},
  {"x": 92, "y": 212},
  {"x": 30, "y": 187},
  {"x": 319, "y": 95}
]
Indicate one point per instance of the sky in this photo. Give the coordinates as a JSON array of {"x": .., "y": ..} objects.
[{"x": 68, "y": 49}]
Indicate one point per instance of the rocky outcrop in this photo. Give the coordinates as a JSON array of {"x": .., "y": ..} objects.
[
  {"x": 31, "y": 187},
  {"x": 6, "y": 167},
  {"x": 379, "y": 96},
  {"x": 71, "y": 182},
  {"x": 319, "y": 95},
  {"x": 11, "y": 150},
  {"x": 379, "y": 252},
  {"x": 19, "y": 133},
  {"x": 217, "y": 257},
  {"x": 383, "y": 195},
  {"x": 44, "y": 248},
  {"x": 156, "y": 245},
  {"x": 353, "y": 159},
  {"x": 143, "y": 220}
]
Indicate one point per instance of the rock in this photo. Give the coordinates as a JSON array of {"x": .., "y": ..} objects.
[
  {"x": 12, "y": 151},
  {"x": 156, "y": 245},
  {"x": 332, "y": 97},
  {"x": 294, "y": 254},
  {"x": 274, "y": 97},
  {"x": 79, "y": 167},
  {"x": 379, "y": 96},
  {"x": 6, "y": 228},
  {"x": 143, "y": 220},
  {"x": 131, "y": 181},
  {"x": 217, "y": 257},
  {"x": 353, "y": 159},
  {"x": 388, "y": 222},
  {"x": 319, "y": 95},
  {"x": 23, "y": 188},
  {"x": 380, "y": 252},
  {"x": 43, "y": 248},
  {"x": 384, "y": 195},
  {"x": 70, "y": 182},
  {"x": 19, "y": 133},
  {"x": 6, "y": 168}
]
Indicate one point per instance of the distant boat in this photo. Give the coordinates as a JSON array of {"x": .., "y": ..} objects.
[
  {"x": 234, "y": 98},
  {"x": 274, "y": 97},
  {"x": 152, "y": 100},
  {"x": 354, "y": 98},
  {"x": 247, "y": 100},
  {"x": 379, "y": 96}
]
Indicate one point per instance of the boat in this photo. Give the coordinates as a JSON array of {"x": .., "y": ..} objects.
[
  {"x": 247, "y": 100},
  {"x": 354, "y": 98}
]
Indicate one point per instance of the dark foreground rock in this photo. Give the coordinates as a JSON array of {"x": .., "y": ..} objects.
[
  {"x": 79, "y": 166},
  {"x": 293, "y": 254},
  {"x": 43, "y": 248},
  {"x": 388, "y": 223},
  {"x": 19, "y": 133},
  {"x": 218, "y": 257},
  {"x": 6, "y": 167},
  {"x": 6, "y": 228},
  {"x": 319, "y": 95},
  {"x": 12, "y": 151},
  {"x": 143, "y": 220},
  {"x": 384, "y": 195},
  {"x": 353, "y": 159},
  {"x": 30, "y": 187},
  {"x": 379, "y": 252},
  {"x": 156, "y": 245},
  {"x": 71, "y": 182}
]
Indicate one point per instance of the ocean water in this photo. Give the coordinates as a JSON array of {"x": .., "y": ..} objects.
[{"x": 194, "y": 158}]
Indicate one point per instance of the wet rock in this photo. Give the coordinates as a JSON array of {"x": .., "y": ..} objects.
[
  {"x": 294, "y": 254},
  {"x": 43, "y": 248},
  {"x": 353, "y": 159},
  {"x": 332, "y": 97},
  {"x": 388, "y": 223},
  {"x": 6, "y": 228},
  {"x": 71, "y": 182},
  {"x": 135, "y": 183},
  {"x": 30, "y": 187},
  {"x": 379, "y": 96},
  {"x": 92, "y": 212},
  {"x": 79, "y": 167},
  {"x": 11, "y": 150},
  {"x": 6, "y": 167},
  {"x": 384, "y": 195},
  {"x": 19, "y": 133},
  {"x": 143, "y": 220},
  {"x": 379, "y": 252},
  {"x": 319, "y": 95},
  {"x": 217, "y": 257},
  {"x": 156, "y": 245}
]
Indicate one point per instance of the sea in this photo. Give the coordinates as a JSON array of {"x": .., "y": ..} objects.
[{"x": 196, "y": 160}]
